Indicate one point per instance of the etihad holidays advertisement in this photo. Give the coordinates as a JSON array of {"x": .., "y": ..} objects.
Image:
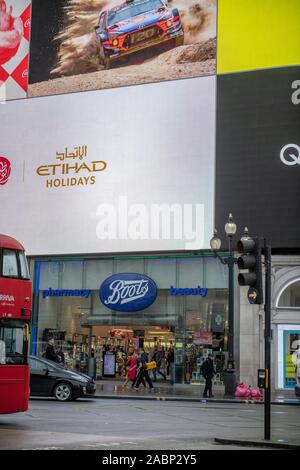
[
  {"x": 79, "y": 45},
  {"x": 14, "y": 48},
  {"x": 79, "y": 175}
]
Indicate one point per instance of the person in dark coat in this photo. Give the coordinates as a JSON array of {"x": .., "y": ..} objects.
[
  {"x": 142, "y": 373},
  {"x": 50, "y": 351},
  {"x": 61, "y": 354},
  {"x": 208, "y": 372},
  {"x": 157, "y": 357},
  {"x": 170, "y": 362}
]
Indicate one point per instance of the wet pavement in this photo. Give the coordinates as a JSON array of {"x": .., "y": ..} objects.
[{"x": 164, "y": 390}]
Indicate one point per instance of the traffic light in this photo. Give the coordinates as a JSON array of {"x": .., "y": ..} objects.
[{"x": 250, "y": 259}]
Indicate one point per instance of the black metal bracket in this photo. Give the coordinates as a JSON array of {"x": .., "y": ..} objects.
[{"x": 229, "y": 260}]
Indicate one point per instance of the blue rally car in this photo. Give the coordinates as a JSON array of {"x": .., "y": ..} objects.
[{"x": 136, "y": 25}]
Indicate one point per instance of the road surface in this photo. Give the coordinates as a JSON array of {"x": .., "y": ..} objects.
[{"x": 128, "y": 424}]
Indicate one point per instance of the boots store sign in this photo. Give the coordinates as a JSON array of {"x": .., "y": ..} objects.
[{"x": 128, "y": 292}]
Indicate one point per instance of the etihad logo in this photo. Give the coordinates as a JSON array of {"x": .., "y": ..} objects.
[
  {"x": 5, "y": 170},
  {"x": 68, "y": 173}
]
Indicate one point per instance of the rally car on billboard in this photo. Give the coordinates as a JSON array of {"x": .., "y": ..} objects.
[{"x": 136, "y": 25}]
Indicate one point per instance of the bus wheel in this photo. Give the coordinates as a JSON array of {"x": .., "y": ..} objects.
[{"x": 63, "y": 392}]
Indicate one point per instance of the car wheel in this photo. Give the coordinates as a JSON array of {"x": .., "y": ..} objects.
[
  {"x": 63, "y": 392},
  {"x": 103, "y": 58}
]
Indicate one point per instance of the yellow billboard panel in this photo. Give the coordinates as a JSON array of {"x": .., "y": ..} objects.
[{"x": 256, "y": 34}]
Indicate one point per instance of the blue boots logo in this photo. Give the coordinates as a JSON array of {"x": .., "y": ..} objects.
[{"x": 128, "y": 292}]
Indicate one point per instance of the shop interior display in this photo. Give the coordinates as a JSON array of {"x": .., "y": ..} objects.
[{"x": 123, "y": 341}]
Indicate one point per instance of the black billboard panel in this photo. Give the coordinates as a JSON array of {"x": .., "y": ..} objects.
[{"x": 258, "y": 154}]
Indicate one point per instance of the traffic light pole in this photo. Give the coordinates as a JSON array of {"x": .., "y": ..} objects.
[
  {"x": 251, "y": 259},
  {"x": 230, "y": 375},
  {"x": 230, "y": 263},
  {"x": 268, "y": 338}
]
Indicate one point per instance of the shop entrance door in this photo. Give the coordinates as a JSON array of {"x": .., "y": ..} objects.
[
  {"x": 291, "y": 357},
  {"x": 124, "y": 340}
]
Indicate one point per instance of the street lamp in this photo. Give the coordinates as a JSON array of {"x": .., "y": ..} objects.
[{"x": 230, "y": 260}]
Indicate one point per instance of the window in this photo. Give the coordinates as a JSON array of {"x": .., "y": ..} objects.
[
  {"x": 10, "y": 264},
  {"x": 24, "y": 266},
  {"x": 37, "y": 365},
  {"x": 11, "y": 345},
  {"x": 132, "y": 9},
  {"x": 290, "y": 296},
  {"x": 101, "y": 22},
  {"x": 291, "y": 358}
]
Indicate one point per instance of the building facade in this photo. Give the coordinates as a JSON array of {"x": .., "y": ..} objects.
[
  {"x": 285, "y": 327},
  {"x": 189, "y": 313}
]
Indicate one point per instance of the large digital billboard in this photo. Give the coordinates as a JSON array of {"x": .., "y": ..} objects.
[
  {"x": 257, "y": 34},
  {"x": 119, "y": 170},
  {"x": 14, "y": 48},
  {"x": 80, "y": 45},
  {"x": 258, "y": 153}
]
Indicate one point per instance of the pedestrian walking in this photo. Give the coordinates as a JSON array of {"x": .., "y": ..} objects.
[
  {"x": 163, "y": 364},
  {"x": 170, "y": 362},
  {"x": 142, "y": 370},
  {"x": 132, "y": 370},
  {"x": 157, "y": 357},
  {"x": 208, "y": 371}
]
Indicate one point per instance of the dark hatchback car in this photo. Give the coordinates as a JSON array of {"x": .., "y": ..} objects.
[{"x": 50, "y": 379}]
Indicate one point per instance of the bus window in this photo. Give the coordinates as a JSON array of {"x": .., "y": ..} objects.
[
  {"x": 12, "y": 349},
  {"x": 10, "y": 265},
  {"x": 24, "y": 266},
  {"x": 2, "y": 352}
]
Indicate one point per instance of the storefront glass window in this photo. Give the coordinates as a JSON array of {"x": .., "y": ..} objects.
[
  {"x": 47, "y": 274},
  {"x": 95, "y": 273},
  {"x": 72, "y": 275},
  {"x": 189, "y": 313}
]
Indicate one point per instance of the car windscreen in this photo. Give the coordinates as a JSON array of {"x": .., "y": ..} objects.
[
  {"x": 132, "y": 9},
  {"x": 49, "y": 363}
]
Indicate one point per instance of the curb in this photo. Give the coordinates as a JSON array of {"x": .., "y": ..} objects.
[
  {"x": 248, "y": 443},
  {"x": 187, "y": 399}
]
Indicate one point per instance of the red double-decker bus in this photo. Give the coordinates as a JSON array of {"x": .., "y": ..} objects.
[{"x": 15, "y": 314}]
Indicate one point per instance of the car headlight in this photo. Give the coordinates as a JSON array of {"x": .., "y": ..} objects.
[
  {"x": 115, "y": 42},
  {"x": 169, "y": 23}
]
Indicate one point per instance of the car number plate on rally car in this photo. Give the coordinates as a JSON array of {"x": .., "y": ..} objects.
[{"x": 142, "y": 35}]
